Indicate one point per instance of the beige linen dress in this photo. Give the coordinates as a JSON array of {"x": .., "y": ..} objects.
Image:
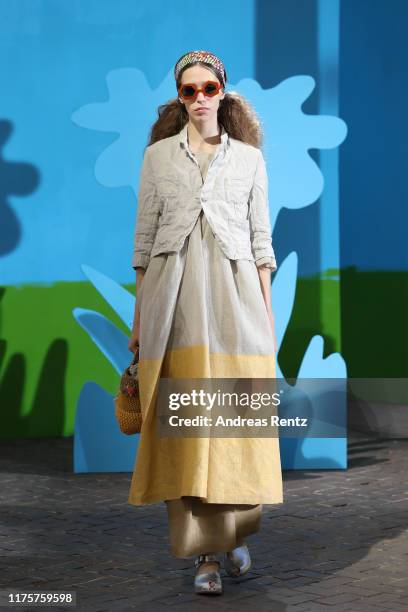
[{"x": 202, "y": 315}]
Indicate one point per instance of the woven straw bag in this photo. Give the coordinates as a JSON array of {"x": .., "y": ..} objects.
[{"x": 127, "y": 401}]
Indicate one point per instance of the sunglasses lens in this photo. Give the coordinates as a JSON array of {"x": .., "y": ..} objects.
[
  {"x": 187, "y": 91},
  {"x": 210, "y": 89}
]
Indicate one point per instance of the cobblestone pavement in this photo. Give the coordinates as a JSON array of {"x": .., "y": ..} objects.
[{"x": 339, "y": 542}]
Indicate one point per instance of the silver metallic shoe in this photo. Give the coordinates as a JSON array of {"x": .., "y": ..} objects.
[
  {"x": 237, "y": 561},
  {"x": 207, "y": 582}
]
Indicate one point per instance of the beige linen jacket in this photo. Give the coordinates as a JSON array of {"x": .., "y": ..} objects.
[{"x": 234, "y": 196}]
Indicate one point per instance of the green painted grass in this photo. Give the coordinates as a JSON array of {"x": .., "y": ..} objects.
[{"x": 46, "y": 357}]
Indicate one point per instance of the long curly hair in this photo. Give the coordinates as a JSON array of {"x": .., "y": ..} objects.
[{"x": 235, "y": 113}]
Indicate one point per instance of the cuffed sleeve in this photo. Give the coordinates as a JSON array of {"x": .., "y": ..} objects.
[
  {"x": 147, "y": 217},
  {"x": 267, "y": 262},
  {"x": 259, "y": 217}
]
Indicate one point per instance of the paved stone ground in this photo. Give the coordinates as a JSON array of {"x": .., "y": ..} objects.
[{"x": 339, "y": 542}]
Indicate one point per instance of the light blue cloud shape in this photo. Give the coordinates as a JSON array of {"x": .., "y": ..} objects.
[{"x": 295, "y": 180}]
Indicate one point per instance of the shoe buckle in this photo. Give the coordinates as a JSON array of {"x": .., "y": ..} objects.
[{"x": 204, "y": 559}]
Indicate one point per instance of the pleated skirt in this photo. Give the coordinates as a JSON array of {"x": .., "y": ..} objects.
[{"x": 216, "y": 325}]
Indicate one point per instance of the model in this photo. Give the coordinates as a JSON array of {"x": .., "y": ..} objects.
[{"x": 203, "y": 258}]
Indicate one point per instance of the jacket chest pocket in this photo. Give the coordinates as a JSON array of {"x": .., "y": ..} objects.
[
  {"x": 169, "y": 192},
  {"x": 237, "y": 191}
]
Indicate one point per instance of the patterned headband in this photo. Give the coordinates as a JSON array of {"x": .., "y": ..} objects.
[{"x": 202, "y": 56}]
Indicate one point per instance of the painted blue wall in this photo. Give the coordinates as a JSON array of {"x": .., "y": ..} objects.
[
  {"x": 55, "y": 57},
  {"x": 374, "y": 158}
]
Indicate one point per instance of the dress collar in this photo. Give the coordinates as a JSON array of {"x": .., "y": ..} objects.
[{"x": 184, "y": 142}]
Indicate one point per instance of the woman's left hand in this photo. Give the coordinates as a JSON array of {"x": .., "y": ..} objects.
[
  {"x": 272, "y": 323},
  {"x": 264, "y": 273}
]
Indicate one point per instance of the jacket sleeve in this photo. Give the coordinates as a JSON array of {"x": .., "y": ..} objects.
[
  {"x": 259, "y": 218},
  {"x": 147, "y": 215}
]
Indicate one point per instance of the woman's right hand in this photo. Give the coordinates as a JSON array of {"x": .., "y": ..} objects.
[
  {"x": 134, "y": 341},
  {"x": 134, "y": 336}
]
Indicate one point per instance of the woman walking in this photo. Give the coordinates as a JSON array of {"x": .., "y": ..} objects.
[{"x": 203, "y": 257}]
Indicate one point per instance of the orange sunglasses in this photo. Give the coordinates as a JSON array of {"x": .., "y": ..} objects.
[{"x": 189, "y": 91}]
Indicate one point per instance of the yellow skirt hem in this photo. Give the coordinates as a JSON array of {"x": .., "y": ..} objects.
[{"x": 240, "y": 499}]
